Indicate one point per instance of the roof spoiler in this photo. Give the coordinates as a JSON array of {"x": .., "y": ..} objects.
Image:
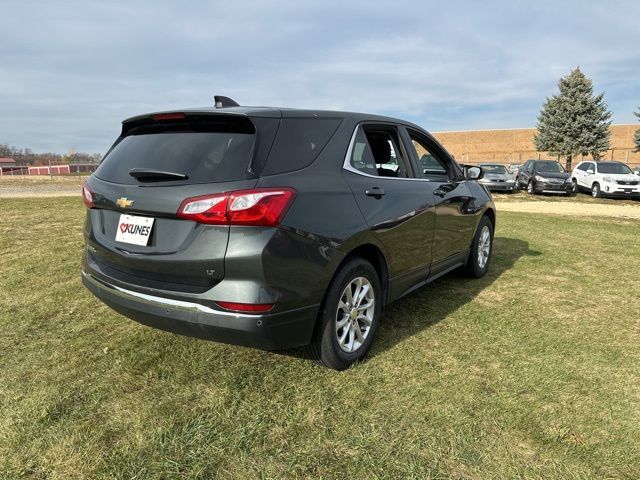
[{"x": 223, "y": 102}]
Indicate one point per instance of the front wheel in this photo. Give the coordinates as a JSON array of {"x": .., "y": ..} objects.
[
  {"x": 530, "y": 189},
  {"x": 595, "y": 191},
  {"x": 349, "y": 316},
  {"x": 481, "y": 249}
]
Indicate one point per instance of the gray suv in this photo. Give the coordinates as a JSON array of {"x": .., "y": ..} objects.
[{"x": 277, "y": 228}]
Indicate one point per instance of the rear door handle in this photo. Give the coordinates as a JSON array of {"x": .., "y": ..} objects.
[{"x": 376, "y": 192}]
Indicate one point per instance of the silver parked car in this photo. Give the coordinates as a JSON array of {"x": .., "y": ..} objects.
[{"x": 497, "y": 178}]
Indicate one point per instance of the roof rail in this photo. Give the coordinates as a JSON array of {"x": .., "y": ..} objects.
[{"x": 222, "y": 102}]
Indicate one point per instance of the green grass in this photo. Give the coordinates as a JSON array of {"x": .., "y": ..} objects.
[
  {"x": 530, "y": 372},
  {"x": 581, "y": 197}
]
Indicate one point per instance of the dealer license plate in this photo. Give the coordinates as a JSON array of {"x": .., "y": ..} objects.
[{"x": 134, "y": 230}]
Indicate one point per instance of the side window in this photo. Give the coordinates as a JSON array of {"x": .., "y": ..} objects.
[
  {"x": 584, "y": 167},
  {"x": 376, "y": 151},
  {"x": 384, "y": 144},
  {"x": 298, "y": 143},
  {"x": 431, "y": 166},
  {"x": 361, "y": 156}
]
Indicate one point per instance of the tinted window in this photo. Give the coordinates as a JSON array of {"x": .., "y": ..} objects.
[
  {"x": 298, "y": 143},
  {"x": 583, "y": 166},
  {"x": 384, "y": 146},
  {"x": 614, "y": 168},
  {"x": 361, "y": 156},
  {"x": 203, "y": 156}
]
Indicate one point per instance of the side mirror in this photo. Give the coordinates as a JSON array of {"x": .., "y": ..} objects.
[
  {"x": 591, "y": 171},
  {"x": 473, "y": 173}
]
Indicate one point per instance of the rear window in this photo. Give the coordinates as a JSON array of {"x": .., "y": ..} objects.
[
  {"x": 203, "y": 156},
  {"x": 298, "y": 143}
]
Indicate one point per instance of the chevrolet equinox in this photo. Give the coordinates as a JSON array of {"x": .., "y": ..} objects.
[{"x": 277, "y": 228}]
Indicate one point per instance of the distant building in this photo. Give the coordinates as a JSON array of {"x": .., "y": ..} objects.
[
  {"x": 8, "y": 167},
  {"x": 515, "y": 146}
]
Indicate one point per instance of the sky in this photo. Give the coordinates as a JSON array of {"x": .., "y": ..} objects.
[{"x": 71, "y": 71}]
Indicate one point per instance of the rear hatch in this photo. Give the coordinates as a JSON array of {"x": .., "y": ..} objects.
[{"x": 133, "y": 232}]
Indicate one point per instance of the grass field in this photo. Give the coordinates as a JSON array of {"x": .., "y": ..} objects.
[
  {"x": 581, "y": 197},
  {"x": 530, "y": 372}
]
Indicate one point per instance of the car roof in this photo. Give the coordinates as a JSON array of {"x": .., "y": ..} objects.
[{"x": 278, "y": 112}]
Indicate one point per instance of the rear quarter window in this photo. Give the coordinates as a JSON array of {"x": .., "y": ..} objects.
[{"x": 298, "y": 143}]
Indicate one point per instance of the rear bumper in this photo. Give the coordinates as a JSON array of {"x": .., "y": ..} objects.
[{"x": 271, "y": 331}]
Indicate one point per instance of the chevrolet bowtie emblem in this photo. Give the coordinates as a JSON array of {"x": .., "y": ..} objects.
[{"x": 124, "y": 202}]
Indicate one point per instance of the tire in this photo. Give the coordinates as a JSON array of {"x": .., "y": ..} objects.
[
  {"x": 595, "y": 190},
  {"x": 530, "y": 189},
  {"x": 517, "y": 187},
  {"x": 326, "y": 347},
  {"x": 480, "y": 255},
  {"x": 574, "y": 182}
]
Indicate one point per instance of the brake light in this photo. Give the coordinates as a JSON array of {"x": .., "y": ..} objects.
[
  {"x": 168, "y": 116},
  {"x": 87, "y": 196},
  {"x": 246, "y": 307},
  {"x": 258, "y": 207}
]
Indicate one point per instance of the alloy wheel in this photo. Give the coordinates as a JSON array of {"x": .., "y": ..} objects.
[
  {"x": 484, "y": 246},
  {"x": 354, "y": 315}
]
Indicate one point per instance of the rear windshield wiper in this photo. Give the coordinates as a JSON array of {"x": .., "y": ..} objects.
[{"x": 151, "y": 175}]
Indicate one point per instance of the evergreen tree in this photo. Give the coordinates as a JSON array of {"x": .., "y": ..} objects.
[
  {"x": 574, "y": 121},
  {"x": 636, "y": 138}
]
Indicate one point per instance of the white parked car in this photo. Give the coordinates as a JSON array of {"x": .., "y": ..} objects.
[{"x": 606, "y": 179}]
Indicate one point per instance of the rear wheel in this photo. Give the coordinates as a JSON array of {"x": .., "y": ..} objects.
[
  {"x": 574, "y": 182},
  {"x": 349, "y": 316},
  {"x": 481, "y": 248},
  {"x": 595, "y": 190}
]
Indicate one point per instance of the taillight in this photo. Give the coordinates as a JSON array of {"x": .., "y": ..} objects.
[
  {"x": 246, "y": 307},
  {"x": 258, "y": 207},
  {"x": 87, "y": 196}
]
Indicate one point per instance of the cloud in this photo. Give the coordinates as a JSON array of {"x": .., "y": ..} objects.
[{"x": 72, "y": 70}]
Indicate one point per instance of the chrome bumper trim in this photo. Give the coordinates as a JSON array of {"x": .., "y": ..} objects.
[{"x": 161, "y": 301}]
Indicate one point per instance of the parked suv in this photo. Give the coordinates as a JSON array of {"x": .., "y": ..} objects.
[
  {"x": 277, "y": 228},
  {"x": 544, "y": 176},
  {"x": 612, "y": 179}
]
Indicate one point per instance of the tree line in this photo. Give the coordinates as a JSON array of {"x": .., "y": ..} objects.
[
  {"x": 25, "y": 156},
  {"x": 575, "y": 121}
]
